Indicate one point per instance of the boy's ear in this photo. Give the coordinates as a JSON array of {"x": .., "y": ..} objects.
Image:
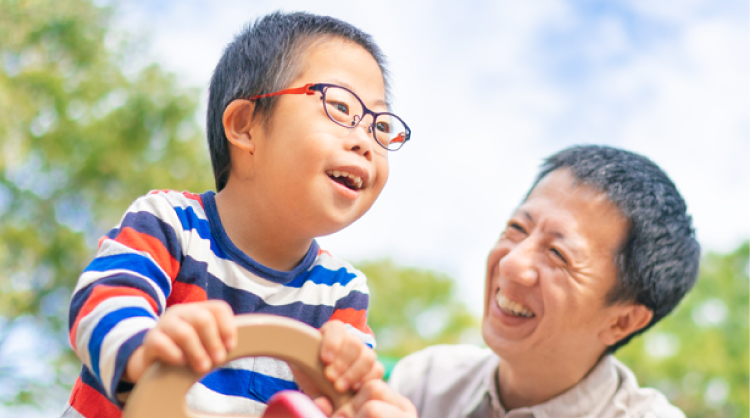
[
  {"x": 628, "y": 319},
  {"x": 238, "y": 124}
]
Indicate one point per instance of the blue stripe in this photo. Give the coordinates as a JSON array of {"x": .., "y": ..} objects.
[
  {"x": 115, "y": 280},
  {"x": 105, "y": 325},
  {"x": 151, "y": 225},
  {"x": 321, "y": 275},
  {"x": 136, "y": 263},
  {"x": 121, "y": 362},
  {"x": 246, "y": 384},
  {"x": 190, "y": 220},
  {"x": 242, "y": 301}
]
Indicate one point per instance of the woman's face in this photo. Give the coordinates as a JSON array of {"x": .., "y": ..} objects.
[{"x": 549, "y": 273}]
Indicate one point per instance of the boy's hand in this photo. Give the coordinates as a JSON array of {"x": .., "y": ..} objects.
[
  {"x": 198, "y": 334},
  {"x": 349, "y": 362}
]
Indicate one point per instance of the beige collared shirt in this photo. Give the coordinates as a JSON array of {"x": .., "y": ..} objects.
[{"x": 458, "y": 381}]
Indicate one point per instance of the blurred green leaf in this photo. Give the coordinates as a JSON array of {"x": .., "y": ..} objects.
[
  {"x": 413, "y": 308},
  {"x": 83, "y": 132},
  {"x": 698, "y": 355}
]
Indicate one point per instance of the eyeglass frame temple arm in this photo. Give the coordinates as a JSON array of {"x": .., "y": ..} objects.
[{"x": 306, "y": 89}]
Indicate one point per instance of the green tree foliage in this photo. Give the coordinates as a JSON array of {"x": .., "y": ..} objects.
[
  {"x": 83, "y": 132},
  {"x": 698, "y": 355},
  {"x": 413, "y": 308}
]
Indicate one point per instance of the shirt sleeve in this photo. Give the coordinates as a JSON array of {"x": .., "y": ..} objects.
[
  {"x": 407, "y": 376},
  {"x": 122, "y": 292},
  {"x": 351, "y": 309}
]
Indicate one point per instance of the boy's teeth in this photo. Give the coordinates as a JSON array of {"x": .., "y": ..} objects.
[
  {"x": 514, "y": 307},
  {"x": 356, "y": 181}
]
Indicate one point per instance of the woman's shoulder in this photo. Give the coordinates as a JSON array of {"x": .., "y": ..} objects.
[
  {"x": 644, "y": 401},
  {"x": 443, "y": 363}
]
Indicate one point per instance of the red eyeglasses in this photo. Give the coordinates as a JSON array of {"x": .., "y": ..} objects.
[{"x": 346, "y": 109}]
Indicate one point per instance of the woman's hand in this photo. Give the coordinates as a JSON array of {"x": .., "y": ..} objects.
[{"x": 375, "y": 399}]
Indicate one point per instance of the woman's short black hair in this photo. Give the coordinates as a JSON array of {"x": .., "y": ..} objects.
[
  {"x": 265, "y": 57},
  {"x": 658, "y": 262}
]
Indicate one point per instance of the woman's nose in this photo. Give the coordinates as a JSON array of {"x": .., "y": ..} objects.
[{"x": 519, "y": 265}]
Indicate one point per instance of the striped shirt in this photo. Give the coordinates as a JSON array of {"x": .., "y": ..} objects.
[{"x": 169, "y": 248}]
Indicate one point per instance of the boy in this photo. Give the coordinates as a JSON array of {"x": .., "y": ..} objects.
[{"x": 288, "y": 168}]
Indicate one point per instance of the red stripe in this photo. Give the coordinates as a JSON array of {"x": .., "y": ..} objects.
[
  {"x": 322, "y": 251},
  {"x": 102, "y": 293},
  {"x": 160, "y": 191},
  {"x": 183, "y": 292},
  {"x": 140, "y": 241},
  {"x": 353, "y": 317},
  {"x": 189, "y": 195},
  {"x": 90, "y": 403},
  {"x": 193, "y": 196}
]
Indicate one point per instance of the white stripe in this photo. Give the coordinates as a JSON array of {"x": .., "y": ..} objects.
[
  {"x": 92, "y": 276},
  {"x": 365, "y": 337},
  {"x": 88, "y": 323},
  {"x": 110, "y": 248},
  {"x": 273, "y": 367},
  {"x": 332, "y": 263},
  {"x": 177, "y": 199},
  {"x": 244, "y": 363},
  {"x": 70, "y": 412},
  {"x": 113, "y": 341},
  {"x": 201, "y": 398},
  {"x": 237, "y": 277}
]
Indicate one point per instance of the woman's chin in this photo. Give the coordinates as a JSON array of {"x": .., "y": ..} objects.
[{"x": 506, "y": 336}]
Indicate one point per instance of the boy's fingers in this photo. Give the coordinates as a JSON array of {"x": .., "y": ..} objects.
[
  {"x": 225, "y": 320},
  {"x": 363, "y": 365},
  {"x": 333, "y": 334},
  {"x": 159, "y": 346},
  {"x": 205, "y": 324},
  {"x": 186, "y": 337}
]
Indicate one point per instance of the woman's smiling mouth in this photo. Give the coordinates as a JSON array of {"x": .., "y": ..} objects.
[{"x": 512, "y": 308}]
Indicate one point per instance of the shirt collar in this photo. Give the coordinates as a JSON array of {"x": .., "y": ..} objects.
[{"x": 591, "y": 394}]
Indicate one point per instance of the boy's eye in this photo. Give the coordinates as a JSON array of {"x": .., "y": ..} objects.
[
  {"x": 383, "y": 127},
  {"x": 340, "y": 107}
]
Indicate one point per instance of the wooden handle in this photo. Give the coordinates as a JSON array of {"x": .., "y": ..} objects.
[{"x": 160, "y": 392}]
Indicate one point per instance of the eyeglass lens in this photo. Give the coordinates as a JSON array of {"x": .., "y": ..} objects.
[{"x": 344, "y": 108}]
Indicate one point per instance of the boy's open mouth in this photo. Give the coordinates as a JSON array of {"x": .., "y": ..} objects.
[{"x": 349, "y": 180}]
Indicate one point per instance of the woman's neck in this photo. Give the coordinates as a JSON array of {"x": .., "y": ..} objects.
[{"x": 533, "y": 381}]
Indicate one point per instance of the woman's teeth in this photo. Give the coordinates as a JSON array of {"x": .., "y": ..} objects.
[{"x": 514, "y": 308}]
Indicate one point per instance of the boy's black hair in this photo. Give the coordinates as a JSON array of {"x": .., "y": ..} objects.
[
  {"x": 658, "y": 262},
  {"x": 265, "y": 57}
]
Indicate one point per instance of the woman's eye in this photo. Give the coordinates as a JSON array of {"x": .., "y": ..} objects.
[
  {"x": 516, "y": 227},
  {"x": 559, "y": 255}
]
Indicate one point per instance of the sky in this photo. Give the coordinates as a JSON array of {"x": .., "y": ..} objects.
[{"x": 491, "y": 88}]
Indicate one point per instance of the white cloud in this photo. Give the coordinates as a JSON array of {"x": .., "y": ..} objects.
[{"x": 490, "y": 88}]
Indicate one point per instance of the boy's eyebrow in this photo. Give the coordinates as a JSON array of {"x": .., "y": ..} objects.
[{"x": 379, "y": 102}]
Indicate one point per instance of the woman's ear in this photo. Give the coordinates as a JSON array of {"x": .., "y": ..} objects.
[
  {"x": 238, "y": 124},
  {"x": 628, "y": 319}
]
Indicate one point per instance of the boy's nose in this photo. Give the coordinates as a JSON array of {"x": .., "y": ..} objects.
[{"x": 359, "y": 138}]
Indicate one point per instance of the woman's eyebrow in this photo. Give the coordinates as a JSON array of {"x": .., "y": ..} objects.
[{"x": 569, "y": 244}]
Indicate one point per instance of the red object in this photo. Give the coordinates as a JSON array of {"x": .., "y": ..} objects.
[{"x": 291, "y": 404}]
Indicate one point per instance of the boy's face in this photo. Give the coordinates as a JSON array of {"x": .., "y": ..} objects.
[{"x": 301, "y": 157}]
